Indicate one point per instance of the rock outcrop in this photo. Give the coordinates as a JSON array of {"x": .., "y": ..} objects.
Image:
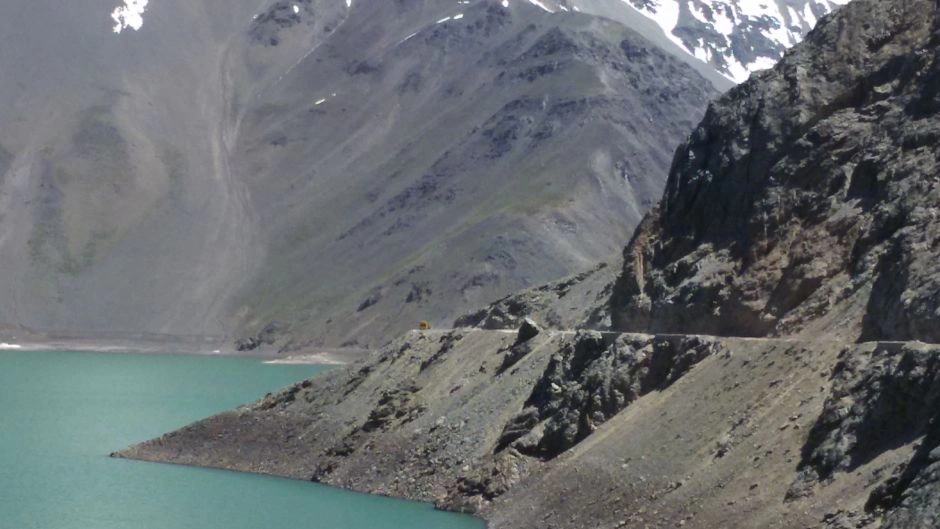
[
  {"x": 577, "y": 301},
  {"x": 885, "y": 397},
  {"x": 590, "y": 380},
  {"x": 807, "y": 199},
  {"x": 433, "y": 417}
]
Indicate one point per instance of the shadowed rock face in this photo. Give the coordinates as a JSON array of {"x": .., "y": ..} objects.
[
  {"x": 807, "y": 199},
  {"x": 334, "y": 173},
  {"x": 885, "y": 397}
]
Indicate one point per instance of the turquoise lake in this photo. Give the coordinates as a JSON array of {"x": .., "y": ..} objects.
[{"x": 62, "y": 413}]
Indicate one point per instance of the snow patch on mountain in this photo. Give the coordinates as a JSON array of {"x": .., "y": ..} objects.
[
  {"x": 736, "y": 37},
  {"x": 129, "y": 15},
  {"x": 540, "y": 4}
]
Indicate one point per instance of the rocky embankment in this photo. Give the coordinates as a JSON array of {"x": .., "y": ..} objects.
[
  {"x": 799, "y": 217},
  {"x": 605, "y": 430}
]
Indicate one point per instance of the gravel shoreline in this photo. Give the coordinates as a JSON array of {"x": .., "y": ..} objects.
[{"x": 11, "y": 340}]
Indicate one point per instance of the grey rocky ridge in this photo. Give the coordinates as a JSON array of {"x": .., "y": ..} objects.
[{"x": 768, "y": 358}]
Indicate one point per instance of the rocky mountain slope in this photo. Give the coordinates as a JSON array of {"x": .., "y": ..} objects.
[
  {"x": 806, "y": 201},
  {"x": 116, "y": 209},
  {"x": 590, "y": 429},
  {"x": 318, "y": 171},
  {"x": 579, "y": 300},
  {"x": 831, "y": 424},
  {"x": 471, "y": 159}
]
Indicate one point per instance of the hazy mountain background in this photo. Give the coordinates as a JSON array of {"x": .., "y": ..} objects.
[
  {"x": 332, "y": 172},
  {"x": 735, "y": 37}
]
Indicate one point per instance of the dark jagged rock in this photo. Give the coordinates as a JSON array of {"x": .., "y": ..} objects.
[
  {"x": 528, "y": 330},
  {"x": 913, "y": 499},
  {"x": 883, "y": 396},
  {"x": 395, "y": 404},
  {"x": 521, "y": 347},
  {"x": 592, "y": 379},
  {"x": 807, "y": 198},
  {"x": 268, "y": 335},
  {"x": 515, "y": 353},
  {"x": 486, "y": 482}
]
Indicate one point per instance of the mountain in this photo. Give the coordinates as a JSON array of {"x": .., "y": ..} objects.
[
  {"x": 734, "y": 37},
  {"x": 737, "y": 37},
  {"x": 318, "y": 171},
  {"x": 771, "y": 362},
  {"x": 119, "y": 211},
  {"x": 460, "y": 160}
]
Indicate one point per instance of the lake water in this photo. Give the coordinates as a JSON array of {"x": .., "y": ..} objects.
[{"x": 61, "y": 414}]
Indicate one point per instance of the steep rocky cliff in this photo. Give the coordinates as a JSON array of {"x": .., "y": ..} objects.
[{"x": 807, "y": 199}]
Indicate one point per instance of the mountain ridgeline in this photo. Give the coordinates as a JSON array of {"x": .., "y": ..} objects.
[
  {"x": 317, "y": 172},
  {"x": 737, "y": 37}
]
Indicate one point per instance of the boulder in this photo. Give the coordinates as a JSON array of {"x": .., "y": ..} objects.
[{"x": 528, "y": 330}]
